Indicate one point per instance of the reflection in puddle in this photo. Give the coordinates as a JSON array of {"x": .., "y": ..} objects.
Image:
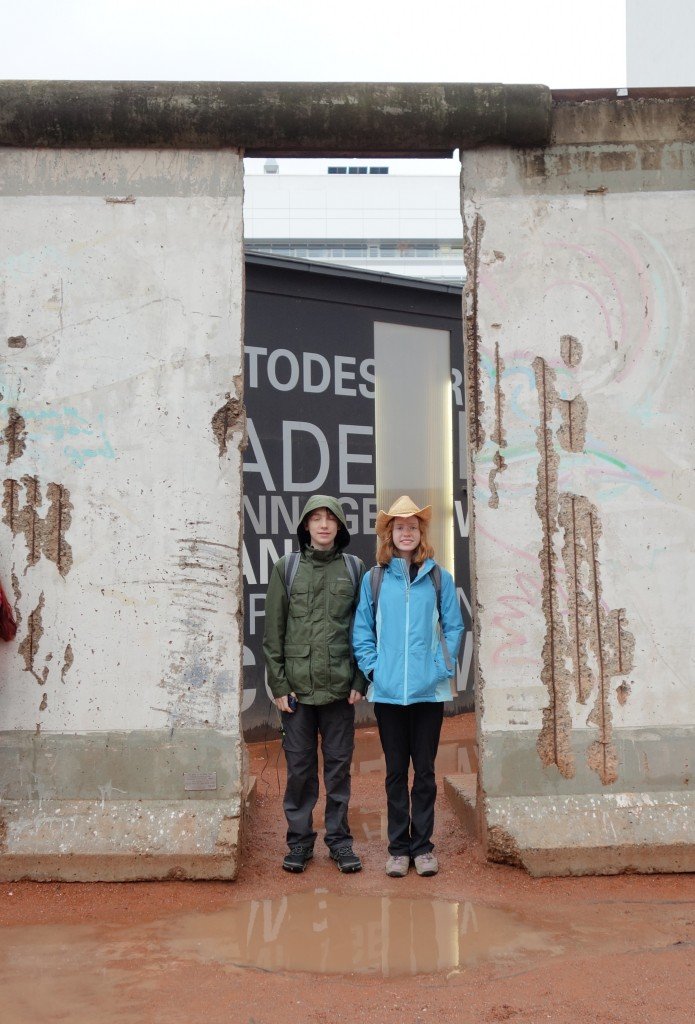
[
  {"x": 317, "y": 931},
  {"x": 330, "y": 934}
]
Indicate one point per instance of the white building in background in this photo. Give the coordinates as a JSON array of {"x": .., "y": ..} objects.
[{"x": 392, "y": 216}]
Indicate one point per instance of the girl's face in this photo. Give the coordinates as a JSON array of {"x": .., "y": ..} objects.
[{"x": 406, "y": 534}]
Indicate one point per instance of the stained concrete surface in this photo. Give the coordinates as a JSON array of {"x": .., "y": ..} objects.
[{"x": 479, "y": 942}]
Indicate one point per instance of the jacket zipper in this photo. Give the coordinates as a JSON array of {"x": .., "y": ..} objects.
[{"x": 406, "y": 576}]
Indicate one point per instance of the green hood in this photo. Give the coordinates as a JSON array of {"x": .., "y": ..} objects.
[{"x": 323, "y": 501}]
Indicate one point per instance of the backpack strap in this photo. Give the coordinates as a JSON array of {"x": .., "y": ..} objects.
[
  {"x": 376, "y": 578},
  {"x": 436, "y": 577},
  {"x": 291, "y": 567},
  {"x": 352, "y": 564}
]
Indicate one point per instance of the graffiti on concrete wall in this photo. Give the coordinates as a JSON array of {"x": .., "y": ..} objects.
[
  {"x": 589, "y": 645},
  {"x": 530, "y": 413},
  {"x": 40, "y": 515}
]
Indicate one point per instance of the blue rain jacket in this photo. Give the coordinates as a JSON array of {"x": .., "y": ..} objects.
[{"x": 399, "y": 649}]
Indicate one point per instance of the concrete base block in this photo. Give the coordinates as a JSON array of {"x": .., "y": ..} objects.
[
  {"x": 601, "y": 834},
  {"x": 461, "y": 792},
  {"x": 120, "y": 840}
]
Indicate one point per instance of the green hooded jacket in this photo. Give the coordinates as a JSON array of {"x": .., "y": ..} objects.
[{"x": 306, "y": 643}]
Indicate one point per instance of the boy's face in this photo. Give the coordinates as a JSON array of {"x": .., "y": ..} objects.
[{"x": 323, "y": 528}]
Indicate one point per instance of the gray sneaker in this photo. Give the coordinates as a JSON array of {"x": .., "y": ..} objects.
[
  {"x": 426, "y": 864},
  {"x": 397, "y": 867}
]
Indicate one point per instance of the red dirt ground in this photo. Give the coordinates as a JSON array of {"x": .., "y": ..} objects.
[{"x": 625, "y": 945}]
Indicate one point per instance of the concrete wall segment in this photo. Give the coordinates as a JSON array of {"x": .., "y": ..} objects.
[
  {"x": 290, "y": 118},
  {"x": 578, "y": 307},
  {"x": 597, "y": 116},
  {"x": 121, "y": 505}
]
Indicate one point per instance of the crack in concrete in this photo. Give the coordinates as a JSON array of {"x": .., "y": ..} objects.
[
  {"x": 17, "y": 595},
  {"x": 554, "y": 739},
  {"x": 497, "y": 435},
  {"x": 572, "y": 508},
  {"x": 10, "y": 504},
  {"x": 596, "y": 636},
  {"x": 68, "y": 659},
  {"x": 29, "y": 646},
  {"x": 29, "y": 522},
  {"x": 474, "y": 382},
  {"x": 230, "y": 417},
  {"x": 58, "y": 520},
  {"x": 43, "y": 536},
  {"x": 601, "y": 755},
  {"x": 499, "y": 466},
  {"x": 15, "y": 435}
]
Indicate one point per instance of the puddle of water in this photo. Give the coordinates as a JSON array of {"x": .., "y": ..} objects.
[
  {"x": 330, "y": 934},
  {"x": 317, "y": 932}
]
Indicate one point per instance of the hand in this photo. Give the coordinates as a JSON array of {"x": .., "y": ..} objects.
[
  {"x": 354, "y": 697},
  {"x": 283, "y": 704}
]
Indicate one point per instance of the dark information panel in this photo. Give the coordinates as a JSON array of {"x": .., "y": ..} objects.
[{"x": 309, "y": 378}]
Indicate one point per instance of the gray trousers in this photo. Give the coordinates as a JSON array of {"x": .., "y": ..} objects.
[{"x": 335, "y": 723}]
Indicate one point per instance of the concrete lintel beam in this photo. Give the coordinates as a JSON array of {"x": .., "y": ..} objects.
[{"x": 275, "y": 118}]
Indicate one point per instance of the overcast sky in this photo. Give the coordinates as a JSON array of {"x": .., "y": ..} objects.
[{"x": 560, "y": 44}]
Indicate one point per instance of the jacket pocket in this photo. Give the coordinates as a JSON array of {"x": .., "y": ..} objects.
[
  {"x": 342, "y": 600},
  {"x": 388, "y": 676},
  {"x": 424, "y": 674},
  {"x": 299, "y": 600},
  {"x": 342, "y": 669},
  {"x": 298, "y": 666}
]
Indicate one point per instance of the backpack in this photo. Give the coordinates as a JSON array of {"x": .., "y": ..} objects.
[
  {"x": 376, "y": 578},
  {"x": 352, "y": 564}
]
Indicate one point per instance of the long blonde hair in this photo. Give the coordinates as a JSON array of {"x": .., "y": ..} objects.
[{"x": 386, "y": 549}]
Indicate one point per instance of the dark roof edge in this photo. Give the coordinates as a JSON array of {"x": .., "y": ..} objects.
[
  {"x": 331, "y": 270},
  {"x": 593, "y": 95},
  {"x": 275, "y": 118}
]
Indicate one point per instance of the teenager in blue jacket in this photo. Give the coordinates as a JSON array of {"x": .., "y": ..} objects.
[{"x": 407, "y": 647}]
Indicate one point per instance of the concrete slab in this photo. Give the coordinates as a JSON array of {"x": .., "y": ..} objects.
[
  {"x": 461, "y": 792},
  {"x": 120, "y": 840},
  {"x": 595, "y": 834}
]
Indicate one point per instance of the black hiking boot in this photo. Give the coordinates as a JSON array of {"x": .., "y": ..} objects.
[
  {"x": 298, "y": 858},
  {"x": 347, "y": 861}
]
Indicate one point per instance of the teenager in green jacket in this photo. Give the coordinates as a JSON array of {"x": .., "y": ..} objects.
[{"x": 313, "y": 677}]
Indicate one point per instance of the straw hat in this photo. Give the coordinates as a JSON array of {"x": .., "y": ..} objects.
[{"x": 402, "y": 507}]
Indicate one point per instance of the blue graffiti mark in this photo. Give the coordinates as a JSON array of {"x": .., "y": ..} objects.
[
  {"x": 79, "y": 458},
  {"x": 57, "y": 424},
  {"x": 66, "y": 424}
]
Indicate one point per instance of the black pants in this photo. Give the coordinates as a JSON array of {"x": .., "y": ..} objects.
[
  {"x": 410, "y": 733},
  {"x": 336, "y": 724}
]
